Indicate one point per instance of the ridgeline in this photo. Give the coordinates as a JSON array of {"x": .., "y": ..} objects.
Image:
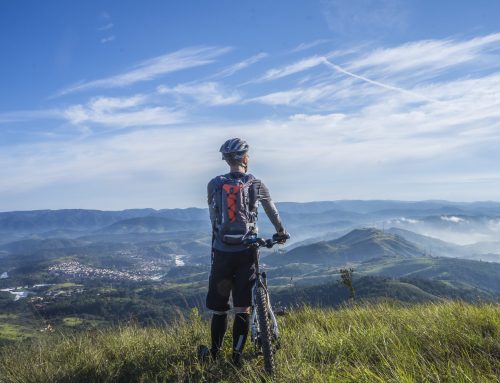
[{"x": 377, "y": 342}]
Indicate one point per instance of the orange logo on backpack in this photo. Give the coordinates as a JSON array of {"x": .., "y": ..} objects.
[{"x": 231, "y": 191}]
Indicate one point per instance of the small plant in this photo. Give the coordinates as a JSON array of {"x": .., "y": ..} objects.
[{"x": 346, "y": 280}]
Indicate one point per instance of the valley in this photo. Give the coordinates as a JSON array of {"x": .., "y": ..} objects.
[{"x": 73, "y": 270}]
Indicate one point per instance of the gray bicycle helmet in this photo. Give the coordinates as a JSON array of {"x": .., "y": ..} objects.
[{"x": 234, "y": 149}]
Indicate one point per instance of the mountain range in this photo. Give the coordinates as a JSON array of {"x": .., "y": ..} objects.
[{"x": 103, "y": 267}]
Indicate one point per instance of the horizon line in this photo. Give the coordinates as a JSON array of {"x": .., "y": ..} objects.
[{"x": 276, "y": 202}]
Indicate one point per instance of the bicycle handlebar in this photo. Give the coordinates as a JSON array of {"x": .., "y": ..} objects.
[{"x": 254, "y": 241}]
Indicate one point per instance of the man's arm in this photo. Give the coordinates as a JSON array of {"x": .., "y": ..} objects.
[{"x": 269, "y": 207}]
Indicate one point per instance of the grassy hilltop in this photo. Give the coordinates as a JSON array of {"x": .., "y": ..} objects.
[{"x": 383, "y": 342}]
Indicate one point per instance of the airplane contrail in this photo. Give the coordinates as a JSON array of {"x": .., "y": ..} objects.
[{"x": 390, "y": 87}]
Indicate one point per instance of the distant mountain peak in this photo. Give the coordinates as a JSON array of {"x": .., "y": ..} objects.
[
  {"x": 366, "y": 233},
  {"x": 356, "y": 246}
]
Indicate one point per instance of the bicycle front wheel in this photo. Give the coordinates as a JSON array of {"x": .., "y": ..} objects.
[{"x": 265, "y": 330}]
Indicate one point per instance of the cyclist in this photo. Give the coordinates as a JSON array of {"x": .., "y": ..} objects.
[{"x": 233, "y": 199}]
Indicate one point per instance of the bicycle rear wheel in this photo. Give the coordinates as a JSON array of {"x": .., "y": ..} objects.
[{"x": 265, "y": 330}]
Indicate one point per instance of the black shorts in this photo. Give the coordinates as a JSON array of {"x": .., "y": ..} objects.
[{"x": 231, "y": 272}]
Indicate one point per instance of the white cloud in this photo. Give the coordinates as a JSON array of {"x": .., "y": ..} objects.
[
  {"x": 107, "y": 39},
  {"x": 376, "y": 83},
  {"x": 165, "y": 153},
  {"x": 153, "y": 68},
  {"x": 299, "y": 66},
  {"x": 421, "y": 60},
  {"x": 207, "y": 93},
  {"x": 317, "y": 118},
  {"x": 426, "y": 54},
  {"x": 106, "y": 27},
  {"x": 368, "y": 17},
  {"x": 348, "y": 155},
  {"x": 121, "y": 113},
  {"x": 313, "y": 94},
  {"x": 320, "y": 95},
  {"x": 357, "y": 134},
  {"x": 304, "y": 46},
  {"x": 289, "y": 97},
  {"x": 409, "y": 220},
  {"x": 230, "y": 70},
  {"x": 452, "y": 218}
]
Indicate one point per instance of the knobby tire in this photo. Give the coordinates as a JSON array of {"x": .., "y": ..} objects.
[{"x": 265, "y": 330}]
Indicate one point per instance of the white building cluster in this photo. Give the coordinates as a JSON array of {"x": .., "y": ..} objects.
[{"x": 77, "y": 270}]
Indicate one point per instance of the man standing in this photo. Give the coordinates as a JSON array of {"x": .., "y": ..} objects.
[{"x": 233, "y": 199}]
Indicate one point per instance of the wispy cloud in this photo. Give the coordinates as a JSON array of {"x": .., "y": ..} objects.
[
  {"x": 232, "y": 69},
  {"x": 304, "y": 46},
  {"x": 121, "y": 113},
  {"x": 207, "y": 93},
  {"x": 366, "y": 17},
  {"x": 154, "y": 68},
  {"x": 321, "y": 92},
  {"x": 296, "y": 96},
  {"x": 428, "y": 54},
  {"x": 360, "y": 118},
  {"x": 394, "y": 66},
  {"x": 106, "y": 27},
  {"x": 377, "y": 83},
  {"x": 299, "y": 66},
  {"x": 108, "y": 39},
  {"x": 349, "y": 147}
]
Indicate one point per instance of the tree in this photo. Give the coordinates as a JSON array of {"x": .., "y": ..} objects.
[{"x": 346, "y": 280}]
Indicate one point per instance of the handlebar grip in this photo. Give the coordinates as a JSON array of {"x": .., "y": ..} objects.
[{"x": 279, "y": 237}]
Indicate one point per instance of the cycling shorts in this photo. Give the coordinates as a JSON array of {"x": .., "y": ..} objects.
[{"x": 231, "y": 272}]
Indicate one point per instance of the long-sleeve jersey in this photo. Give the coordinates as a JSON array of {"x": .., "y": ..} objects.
[{"x": 262, "y": 196}]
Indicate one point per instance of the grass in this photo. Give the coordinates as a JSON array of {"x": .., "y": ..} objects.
[
  {"x": 65, "y": 285},
  {"x": 12, "y": 332},
  {"x": 72, "y": 321},
  {"x": 383, "y": 342}
]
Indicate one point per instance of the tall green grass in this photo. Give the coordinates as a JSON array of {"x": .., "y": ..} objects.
[{"x": 384, "y": 342}]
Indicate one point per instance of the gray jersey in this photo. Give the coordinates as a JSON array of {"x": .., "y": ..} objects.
[{"x": 262, "y": 196}]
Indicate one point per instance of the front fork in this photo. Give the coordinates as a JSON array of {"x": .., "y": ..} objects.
[{"x": 261, "y": 280}]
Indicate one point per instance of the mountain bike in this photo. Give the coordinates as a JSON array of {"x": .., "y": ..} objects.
[{"x": 264, "y": 327}]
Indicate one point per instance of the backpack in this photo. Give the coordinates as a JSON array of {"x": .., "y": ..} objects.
[{"x": 234, "y": 201}]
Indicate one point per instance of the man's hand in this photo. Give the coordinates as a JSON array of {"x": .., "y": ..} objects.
[{"x": 281, "y": 236}]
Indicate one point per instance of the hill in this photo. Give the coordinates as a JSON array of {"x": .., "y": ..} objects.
[
  {"x": 82, "y": 219},
  {"x": 356, "y": 246},
  {"x": 449, "y": 342},
  {"x": 431, "y": 245},
  {"x": 463, "y": 272},
  {"x": 28, "y": 246},
  {"x": 152, "y": 225},
  {"x": 409, "y": 289}
]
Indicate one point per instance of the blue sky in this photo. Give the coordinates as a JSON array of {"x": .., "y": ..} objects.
[{"x": 122, "y": 104}]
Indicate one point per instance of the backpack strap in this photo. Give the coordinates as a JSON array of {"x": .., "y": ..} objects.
[
  {"x": 253, "y": 195},
  {"x": 216, "y": 200}
]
